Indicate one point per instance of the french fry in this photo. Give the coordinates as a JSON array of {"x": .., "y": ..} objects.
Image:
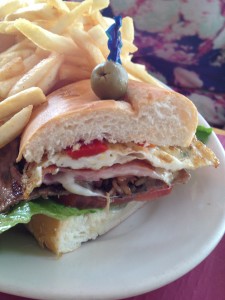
[
  {"x": 127, "y": 29},
  {"x": 24, "y": 44},
  {"x": 13, "y": 104},
  {"x": 132, "y": 77},
  {"x": 45, "y": 24},
  {"x": 99, "y": 4},
  {"x": 13, "y": 68},
  {"x": 42, "y": 53},
  {"x": 140, "y": 72},
  {"x": 127, "y": 48},
  {"x": 72, "y": 17},
  {"x": 6, "y": 86},
  {"x": 60, "y": 5},
  {"x": 33, "y": 76},
  {"x": 108, "y": 21},
  {"x": 72, "y": 73},
  {"x": 14, "y": 126},
  {"x": 77, "y": 61},
  {"x": 30, "y": 62},
  {"x": 99, "y": 37},
  {"x": 71, "y": 5},
  {"x": 93, "y": 53},
  {"x": 9, "y": 56},
  {"x": 127, "y": 34},
  {"x": 50, "y": 78},
  {"x": 45, "y": 39},
  {"x": 97, "y": 18},
  {"x": 7, "y": 27},
  {"x": 38, "y": 11},
  {"x": 9, "y": 6}
]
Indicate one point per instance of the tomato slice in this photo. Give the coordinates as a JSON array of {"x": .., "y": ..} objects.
[
  {"x": 94, "y": 148},
  {"x": 82, "y": 202},
  {"x": 153, "y": 193}
]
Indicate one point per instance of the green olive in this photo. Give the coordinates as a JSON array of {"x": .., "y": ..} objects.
[{"x": 109, "y": 80}]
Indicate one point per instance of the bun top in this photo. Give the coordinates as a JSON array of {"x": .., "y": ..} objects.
[{"x": 147, "y": 114}]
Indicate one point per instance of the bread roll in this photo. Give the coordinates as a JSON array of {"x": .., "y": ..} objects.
[
  {"x": 65, "y": 236},
  {"x": 148, "y": 114}
]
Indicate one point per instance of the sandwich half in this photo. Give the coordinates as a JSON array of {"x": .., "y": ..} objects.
[{"x": 105, "y": 157}]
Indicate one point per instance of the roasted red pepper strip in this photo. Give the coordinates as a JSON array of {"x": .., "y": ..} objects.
[{"x": 94, "y": 148}]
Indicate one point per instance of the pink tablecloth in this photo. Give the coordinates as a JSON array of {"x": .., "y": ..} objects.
[{"x": 206, "y": 281}]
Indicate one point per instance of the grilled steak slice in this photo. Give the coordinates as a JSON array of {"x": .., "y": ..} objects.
[{"x": 11, "y": 190}]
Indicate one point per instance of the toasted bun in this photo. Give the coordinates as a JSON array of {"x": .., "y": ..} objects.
[
  {"x": 65, "y": 236},
  {"x": 147, "y": 114}
]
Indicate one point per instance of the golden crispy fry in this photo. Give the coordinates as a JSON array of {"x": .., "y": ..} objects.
[
  {"x": 9, "y": 6},
  {"x": 77, "y": 61},
  {"x": 93, "y": 53},
  {"x": 6, "y": 86},
  {"x": 36, "y": 12},
  {"x": 13, "y": 104},
  {"x": 99, "y": 4},
  {"x": 7, "y": 27},
  {"x": 22, "y": 45},
  {"x": 127, "y": 29},
  {"x": 72, "y": 17},
  {"x": 13, "y": 68},
  {"x": 45, "y": 39},
  {"x": 16, "y": 53},
  {"x": 99, "y": 37},
  {"x": 128, "y": 48},
  {"x": 60, "y": 5},
  {"x": 71, "y": 5},
  {"x": 31, "y": 61},
  {"x": 42, "y": 53},
  {"x": 14, "y": 126},
  {"x": 73, "y": 73},
  {"x": 140, "y": 72},
  {"x": 6, "y": 57},
  {"x": 97, "y": 18},
  {"x": 33, "y": 76},
  {"x": 50, "y": 78}
]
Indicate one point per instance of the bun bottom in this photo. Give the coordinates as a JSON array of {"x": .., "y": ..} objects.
[{"x": 68, "y": 235}]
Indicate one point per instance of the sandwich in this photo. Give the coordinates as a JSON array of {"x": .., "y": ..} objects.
[{"x": 97, "y": 161}]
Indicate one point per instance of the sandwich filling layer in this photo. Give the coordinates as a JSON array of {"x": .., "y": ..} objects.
[{"x": 101, "y": 172}]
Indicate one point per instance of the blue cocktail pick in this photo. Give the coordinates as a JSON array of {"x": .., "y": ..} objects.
[{"x": 115, "y": 41}]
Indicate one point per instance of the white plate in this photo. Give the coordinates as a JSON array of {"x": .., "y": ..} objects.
[{"x": 161, "y": 242}]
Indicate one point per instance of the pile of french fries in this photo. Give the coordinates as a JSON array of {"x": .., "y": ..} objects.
[{"x": 45, "y": 44}]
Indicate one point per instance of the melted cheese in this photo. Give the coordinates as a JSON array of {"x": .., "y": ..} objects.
[{"x": 73, "y": 187}]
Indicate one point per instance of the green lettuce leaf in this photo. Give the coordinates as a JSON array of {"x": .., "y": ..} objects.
[
  {"x": 23, "y": 212},
  {"x": 203, "y": 133}
]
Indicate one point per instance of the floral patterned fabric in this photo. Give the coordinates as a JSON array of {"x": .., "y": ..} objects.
[{"x": 182, "y": 42}]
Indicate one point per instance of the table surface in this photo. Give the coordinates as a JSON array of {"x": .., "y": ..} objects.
[{"x": 206, "y": 281}]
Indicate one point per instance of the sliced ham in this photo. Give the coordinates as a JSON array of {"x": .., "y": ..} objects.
[
  {"x": 88, "y": 189},
  {"x": 134, "y": 168}
]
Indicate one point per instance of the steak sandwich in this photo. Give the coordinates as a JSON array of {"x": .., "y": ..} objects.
[{"x": 101, "y": 158}]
